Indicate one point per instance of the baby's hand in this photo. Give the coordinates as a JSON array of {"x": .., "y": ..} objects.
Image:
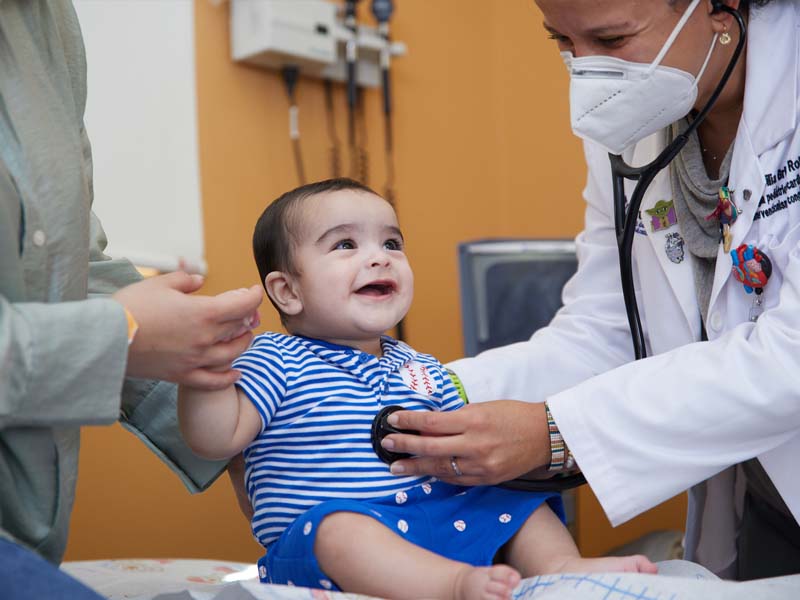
[{"x": 249, "y": 323}]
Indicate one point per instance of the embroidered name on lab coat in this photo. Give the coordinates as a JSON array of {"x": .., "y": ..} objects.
[{"x": 783, "y": 189}]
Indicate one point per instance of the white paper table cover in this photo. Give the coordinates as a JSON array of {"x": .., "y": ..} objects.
[
  {"x": 187, "y": 579},
  {"x": 190, "y": 579}
]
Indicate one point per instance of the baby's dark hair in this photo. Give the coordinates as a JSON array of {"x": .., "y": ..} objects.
[{"x": 276, "y": 229}]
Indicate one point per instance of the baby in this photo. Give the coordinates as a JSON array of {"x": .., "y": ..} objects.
[{"x": 326, "y": 508}]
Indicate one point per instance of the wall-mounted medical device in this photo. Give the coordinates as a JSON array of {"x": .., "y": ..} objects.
[
  {"x": 322, "y": 38},
  {"x": 309, "y": 34}
]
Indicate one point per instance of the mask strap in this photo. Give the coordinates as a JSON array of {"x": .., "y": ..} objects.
[
  {"x": 671, "y": 39},
  {"x": 708, "y": 56}
]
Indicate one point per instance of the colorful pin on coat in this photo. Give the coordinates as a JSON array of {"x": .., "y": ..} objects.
[
  {"x": 662, "y": 215},
  {"x": 751, "y": 267},
  {"x": 673, "y": 246},
  {"x": 727, "y": 213}
]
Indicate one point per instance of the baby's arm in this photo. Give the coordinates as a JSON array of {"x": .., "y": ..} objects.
[{"x": 217, "y": 424}]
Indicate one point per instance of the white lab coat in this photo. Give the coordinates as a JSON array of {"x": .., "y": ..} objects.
[{"x": 645, "y": 431}]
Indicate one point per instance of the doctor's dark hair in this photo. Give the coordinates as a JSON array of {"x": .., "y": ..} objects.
[{"x": 277, "y": 229}]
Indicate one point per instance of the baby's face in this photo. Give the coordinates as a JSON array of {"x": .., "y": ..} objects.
[{"x": 353, "y": 279}]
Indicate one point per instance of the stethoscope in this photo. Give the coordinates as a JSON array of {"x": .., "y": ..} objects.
[
  {"x": 625, "y": 221},
  {"x": 625, "y": 217},
  {"x": 381, "y": 428}
]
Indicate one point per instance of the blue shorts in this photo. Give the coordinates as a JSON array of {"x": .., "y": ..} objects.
[{"x": 466, "y": 524}]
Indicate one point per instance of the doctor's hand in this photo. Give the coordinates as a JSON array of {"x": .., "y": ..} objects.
[
  {"x": 491, "y": 442},
  {"x": 184, "y": 338}
]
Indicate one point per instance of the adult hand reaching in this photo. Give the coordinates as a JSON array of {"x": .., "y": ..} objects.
[
  {"x": 490, "y": 442},
  {"x": 188, "y": 339}
]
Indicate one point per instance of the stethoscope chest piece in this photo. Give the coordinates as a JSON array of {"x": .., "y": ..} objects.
[{"x": 381, "y": 428}]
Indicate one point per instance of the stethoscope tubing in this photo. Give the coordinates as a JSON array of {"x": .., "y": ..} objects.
[{"x": 625, "y": 217}]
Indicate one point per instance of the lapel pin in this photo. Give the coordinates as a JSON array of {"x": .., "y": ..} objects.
[
  {"x": 662, "y": 215},
  {"x": 674, "y": 247},
  {"x": 752, "y": 268},
  {"x": 727, "y": 213}
]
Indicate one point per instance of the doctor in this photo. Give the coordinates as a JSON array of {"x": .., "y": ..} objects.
[{"x": 716, "y": 406}]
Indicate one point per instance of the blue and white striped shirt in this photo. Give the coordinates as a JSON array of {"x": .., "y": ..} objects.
[{"x": 317, "y": 401}]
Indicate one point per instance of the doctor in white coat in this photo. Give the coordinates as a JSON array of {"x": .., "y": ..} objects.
[{"x": 719, "y": 417}]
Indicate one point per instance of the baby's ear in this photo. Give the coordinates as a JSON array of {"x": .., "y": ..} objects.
[{"x": 281, "y": 289}]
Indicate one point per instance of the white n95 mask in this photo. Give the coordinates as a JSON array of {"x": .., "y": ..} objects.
[{"x": 617, "y": 103}]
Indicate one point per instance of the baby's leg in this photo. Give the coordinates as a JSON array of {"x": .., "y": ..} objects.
[
  {"x": 543, "y": 545},
  {"x": 361, "y": 555}
]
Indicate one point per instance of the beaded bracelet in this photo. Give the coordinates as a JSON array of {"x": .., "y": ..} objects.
[{"x": 561, "y": 458}]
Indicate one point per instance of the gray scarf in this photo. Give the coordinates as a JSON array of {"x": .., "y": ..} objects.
[{"x": 696, "y": 196}]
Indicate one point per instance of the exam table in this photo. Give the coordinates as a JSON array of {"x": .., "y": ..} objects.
[{"x": 181, "y": 579}]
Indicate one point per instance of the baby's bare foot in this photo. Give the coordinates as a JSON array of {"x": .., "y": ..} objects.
[
  {"x": 625, "y": 564},
  {"x": 486, "y": 583}
]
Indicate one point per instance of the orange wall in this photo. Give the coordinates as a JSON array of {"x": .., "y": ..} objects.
[{"x": 483, "y": 148}]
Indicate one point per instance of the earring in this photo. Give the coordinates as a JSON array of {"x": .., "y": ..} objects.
[{"x": 725, "y": 38}]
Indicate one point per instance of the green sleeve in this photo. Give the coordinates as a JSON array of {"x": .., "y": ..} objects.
[{"x": 61, "y": 364}]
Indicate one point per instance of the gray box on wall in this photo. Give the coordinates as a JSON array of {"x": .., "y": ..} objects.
[{"x": 510, "y": 288}]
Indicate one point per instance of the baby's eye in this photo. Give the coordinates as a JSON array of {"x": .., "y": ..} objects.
[
  {"x": 345, "y": 245},
  {"x": 393, "y": 244}
]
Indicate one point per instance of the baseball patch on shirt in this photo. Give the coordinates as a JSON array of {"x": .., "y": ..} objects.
[{"x": 417, "y": 376}]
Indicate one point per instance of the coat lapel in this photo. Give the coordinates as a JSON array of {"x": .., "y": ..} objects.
[
  {"x": 662, "y": 236},
  {"x": 746, "y": 181}
]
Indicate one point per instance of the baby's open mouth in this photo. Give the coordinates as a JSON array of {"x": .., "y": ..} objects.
[{"x": 377, "y": 288}]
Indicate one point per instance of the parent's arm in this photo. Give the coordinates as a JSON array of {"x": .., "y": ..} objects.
[
  {"x": 148, "y": 403},
  {"x": 47, "y": 349},
  {"x": 145, "y": 406}
]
